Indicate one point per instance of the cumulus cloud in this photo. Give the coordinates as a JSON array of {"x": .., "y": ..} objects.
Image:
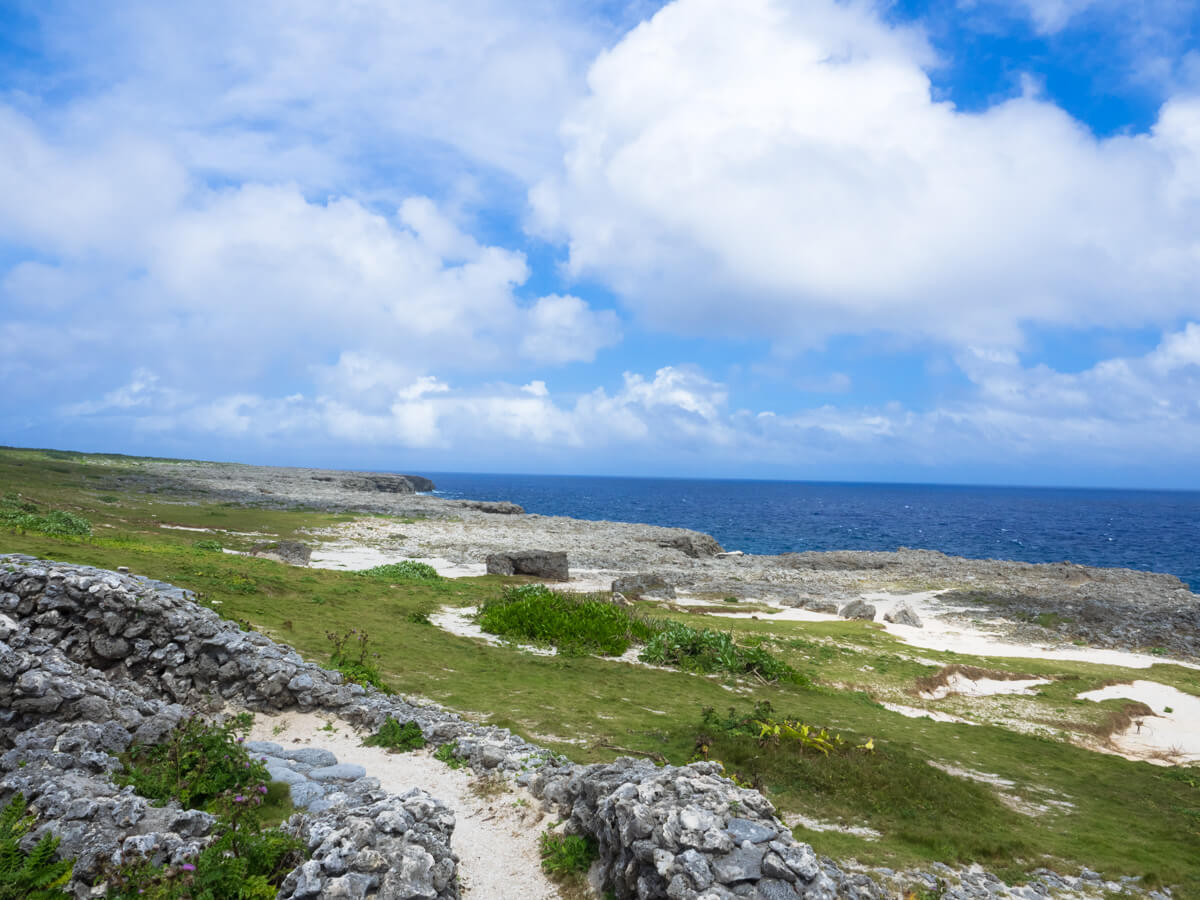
[
  {"x": 1123, "y": 408},
  {"x": 792, "y": 156}
]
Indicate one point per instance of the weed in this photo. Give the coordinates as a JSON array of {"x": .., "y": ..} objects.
[
  {"x": 566, "y": 855},
  {"x": 397, "y": 738},
  {"x": 405, "y": 571},
  {"x": 359, "y": 667},
  {"x": 195, "y": 764},
  {"x": 573, "y": 624},
  {"x": 32, "y": 875},
  {"x": 706, "y": 650},
  {"x": 731, "y": 599},
  {"x": 448, "y": 753},
  {"x": 489, "y": 787},
  {"x": 23, "y": 516},
  {"x": 209, "y": 545}
]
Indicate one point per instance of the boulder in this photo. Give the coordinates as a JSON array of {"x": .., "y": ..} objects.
[
  {"x": 644, "y": 584},
  {"x": 693, "y": 544},
  {"x": 858, "y": 609},
  {"x": 548, "y": 564},
  {"x": 293, "y": 553},
  {"x": 903, "y": 614},
  {"x": 822, "y": 606}
]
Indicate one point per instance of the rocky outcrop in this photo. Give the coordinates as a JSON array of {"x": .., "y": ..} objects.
[
  {"x": 496, "y": 507},
  {"x": 903, "y": 614},
  {"x": 858, "y": 609},
  {"x": 693, "y": 544},
  {"x": 293, "y": 553},
  {"x": 382, "y": 483},
  {"x": 644, "y": 584},
  {"x": 548, "y": 564}
]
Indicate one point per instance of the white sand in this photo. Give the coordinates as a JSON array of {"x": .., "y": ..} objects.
[
  {"x": 940, "y": 633},
  {"x": 1169, "y": 737},
  {"x": 356, "y": 557},
  {"x": 914, "y": 712},
  {"x": 457, "y": 620},
  {"x": 496, "y": 839},
  {"x": 791, "y": 820},
  {"x": 982, "y": 687}
]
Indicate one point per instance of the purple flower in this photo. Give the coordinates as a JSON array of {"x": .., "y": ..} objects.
[
  {"x": 262, "y": 788},
  {"x": 188, "y": 867},
  {"x": 239, "y": 799}
]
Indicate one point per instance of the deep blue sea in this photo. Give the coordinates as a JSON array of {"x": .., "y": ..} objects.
[{"x": 1157, "y": 531}]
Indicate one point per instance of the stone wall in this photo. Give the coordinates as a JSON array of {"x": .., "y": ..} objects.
[{"x": 92, "y": 660}]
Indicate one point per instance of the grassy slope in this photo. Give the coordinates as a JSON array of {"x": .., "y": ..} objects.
[{"x": 1125, "y": 818}]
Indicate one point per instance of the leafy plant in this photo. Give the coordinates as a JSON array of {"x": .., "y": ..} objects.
[
  {"x": 406, "y": 570},
  {"x": 244, "y": 862},
  {"x": 210, "y": 545},
  {"x": 396, "y": 737},
  {"x": 448, "y": 753},
  {"x": 352, "y": 657},
  {"x": 573, "y": 624},
  {"x": 706, "y": 650},
  {"x": 23, "y": 516},
  {"x": 36, "y": 875},
  {"x": 196, "y": 764},
  {"x": 566, "y": 854}
]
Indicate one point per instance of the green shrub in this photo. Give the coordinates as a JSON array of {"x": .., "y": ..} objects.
[
  {"x": 210, "y": 545},
  {"x": 705, "y": 650},
  {"x": 448, "y": 753},
  {"x": 23, "y": 516},
  {"x": 396, "y": 737},
  {"x": 35, "y": 875},
  {"x": 195, "y": 765},
  {"x": 352, "y": 657},
  {"x": 405, "y": 570},
  {"x": 566, "y": 855},
  {"x": 573, "y": 624}
]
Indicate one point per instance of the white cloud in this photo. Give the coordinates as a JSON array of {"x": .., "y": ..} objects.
[
  {"x": 565, "y": 329},
  {"x": 1118, "y": 413},
  {"x": 782, "y": 170}
]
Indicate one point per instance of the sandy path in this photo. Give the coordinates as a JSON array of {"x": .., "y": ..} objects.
[{"x": 495, "y": 837}]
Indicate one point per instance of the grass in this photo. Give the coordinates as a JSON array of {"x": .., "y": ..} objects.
[
  {"x": 572, "y": 624},
  {"x": 1125, "y": 818},
  {"x": 397, "y": 738},
  {"x": 406, "y": 571}
]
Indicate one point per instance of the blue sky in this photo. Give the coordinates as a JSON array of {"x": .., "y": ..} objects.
[{"x": 936, "y": 242}]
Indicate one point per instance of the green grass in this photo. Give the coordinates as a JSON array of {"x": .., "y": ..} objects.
[
  {"x": 1124, "y": 818},
  {"x": 573, "y": 624},
  {"x": 407, "y": 571},
  {"x": 396, "y": 737}
]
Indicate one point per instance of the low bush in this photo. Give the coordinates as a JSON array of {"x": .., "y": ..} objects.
[
  {"x": 573, "y": 624},
  {"x": 404, "y": 571},
  {"x": 706, "y": 650},
  {"x": 24, "y": 516},
  {"x": 396, "y": 737},
  {"x": 352, "y": 656},
  {"x": 448, "y": 753},
  {"x": 32, "y": 875},
  {"x": 566, "y": 855},
  {"x": 208, "y": 545}
]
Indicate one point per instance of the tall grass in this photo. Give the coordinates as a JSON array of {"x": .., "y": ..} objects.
[{"x": 572, "y": 624}]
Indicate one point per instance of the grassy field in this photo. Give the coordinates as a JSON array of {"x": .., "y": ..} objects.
[{"x": 1012, "y": 793}]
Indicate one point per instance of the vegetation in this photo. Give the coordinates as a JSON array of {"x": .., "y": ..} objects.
[
  {"x": 1083, "y": 808},
  {"x": 396, "y": 737},
  {"x": 405, "y": 571},
  {"x": 25, "y": 515},
  {"x": 36, "y": 875},
  {"x": 197, "y": 764},
  {"x": 448, "y": 753},
  {"x": 352, "y": 657},
  {"x": 566, "y": 858},
  {"x": 705, "y": 650},
  {"x": 573, "y": 624}
]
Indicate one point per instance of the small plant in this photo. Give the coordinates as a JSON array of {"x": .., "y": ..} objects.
[
  {"x": 448, "y": 753},
  {"x": 397, "y": 738},
  {"x": 36, "y": 875},
  {"x": 730, "y": 599},
  {"x": 195, "y": 764},
  {"x": 352, "y": 657},
  {"x": 420, "y": 617},
  {"x": 404, "y": 571},
  {"x": 706, "y": 650},
  {"x": 489, "y": 787},
  {"x": 566, "y": 855},
  {"x": 23, "y": 516},
  {"x": 208, "y": 545},
  {"x": 573, "y": 624}
]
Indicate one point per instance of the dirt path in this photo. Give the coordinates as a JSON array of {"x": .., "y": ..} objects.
[{"x": 495, "y": 832}]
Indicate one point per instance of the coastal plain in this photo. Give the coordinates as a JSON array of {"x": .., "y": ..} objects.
[{"x": 1038, "y": 717}]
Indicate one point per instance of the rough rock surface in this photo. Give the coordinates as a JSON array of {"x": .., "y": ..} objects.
[
  {"x": 903, "y": 614},
  {"x": 645, "y": 584},
  {"x": 858, "y": 609},
  {"x": 548, "y": 564},
  {"x": 294, "y": 553}
]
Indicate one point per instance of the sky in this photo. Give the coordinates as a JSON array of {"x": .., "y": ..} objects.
[{"x": 949, "y": 242}]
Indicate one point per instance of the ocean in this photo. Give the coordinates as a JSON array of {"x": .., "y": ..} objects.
[{"x": 1156, "y": 531}]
